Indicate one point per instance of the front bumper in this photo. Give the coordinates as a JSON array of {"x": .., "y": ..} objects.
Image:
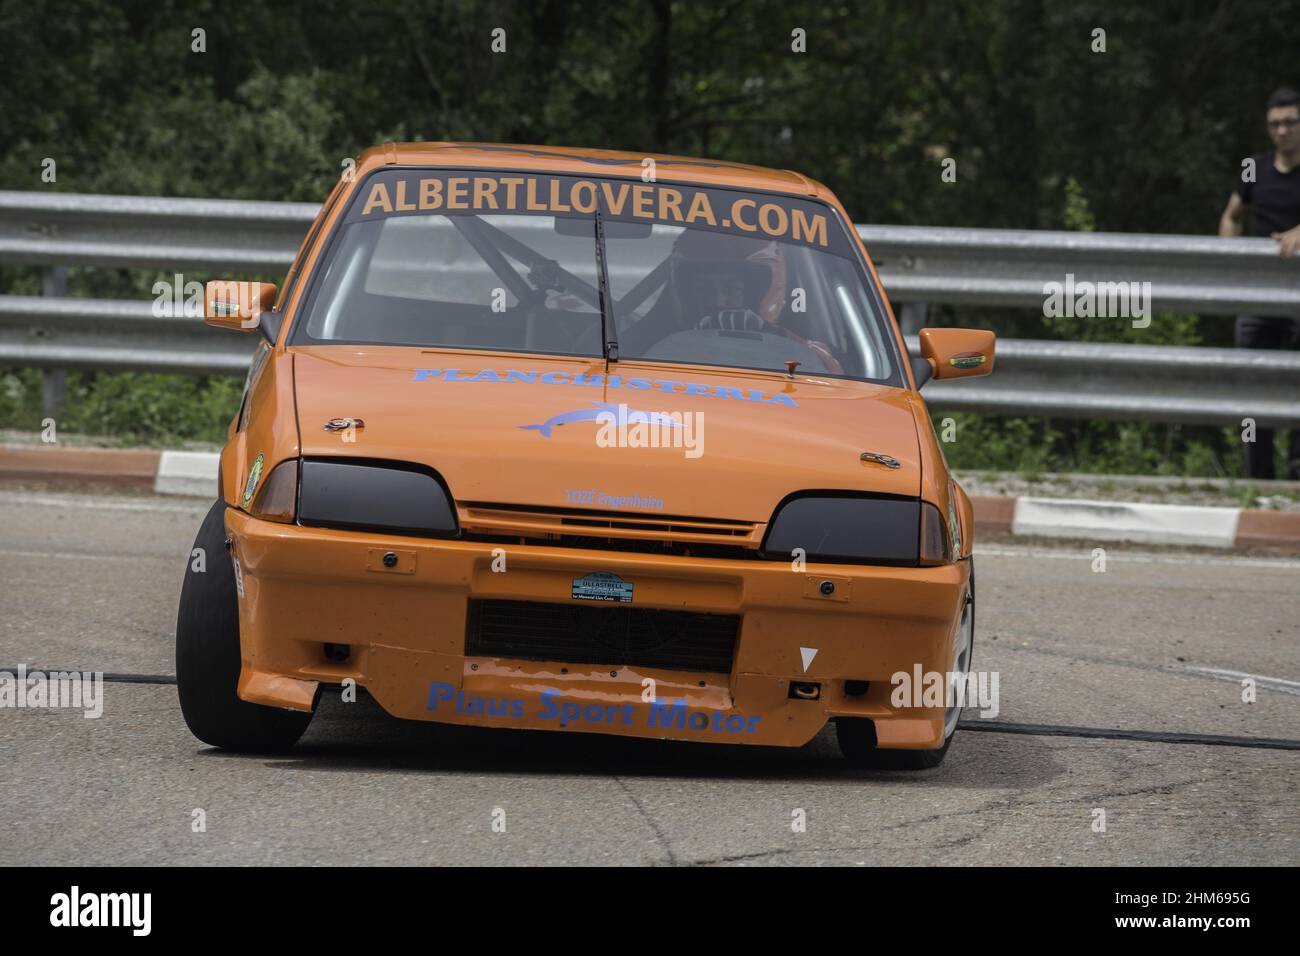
[{"x": 303, "y": 588}]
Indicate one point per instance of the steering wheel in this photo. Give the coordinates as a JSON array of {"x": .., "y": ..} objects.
[{"x": 749, "y": 321}]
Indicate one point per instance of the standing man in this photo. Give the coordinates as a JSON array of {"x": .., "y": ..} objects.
[{"x": 1273, "y": 200}]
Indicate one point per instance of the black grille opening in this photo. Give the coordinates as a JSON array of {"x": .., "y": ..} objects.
[
  {"x": 613, "y": 636},
  {"x": 596, "y": 543},
  {"x": 663, "y": 528}
]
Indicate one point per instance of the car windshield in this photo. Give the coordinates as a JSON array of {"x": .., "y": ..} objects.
[{"x": 696, "y": 275}]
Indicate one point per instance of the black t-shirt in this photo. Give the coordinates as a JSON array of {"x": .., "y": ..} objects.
[{"x": 1273, "y": 198}]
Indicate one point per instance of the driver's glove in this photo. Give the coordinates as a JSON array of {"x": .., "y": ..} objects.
[{"x": 734, "y": 320}]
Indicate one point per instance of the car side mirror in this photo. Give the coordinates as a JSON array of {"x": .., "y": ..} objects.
[
  {"x": 242, "y": 306},
  {"x": 956, "y": 353}
]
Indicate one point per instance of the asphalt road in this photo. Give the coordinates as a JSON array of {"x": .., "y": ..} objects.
[{"x": 91, "y": 583}]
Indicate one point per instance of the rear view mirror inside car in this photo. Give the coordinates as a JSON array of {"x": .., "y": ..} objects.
[{"x": 585, "y": 228}]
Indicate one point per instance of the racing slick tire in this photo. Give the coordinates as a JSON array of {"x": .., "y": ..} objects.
[
  {"x": 857, "y": 735},
  {"x": 207, "y": 657}
]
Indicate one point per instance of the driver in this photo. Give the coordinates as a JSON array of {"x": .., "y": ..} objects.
[
  {"x": 722, "y": 283},
  {"x": 728, "y": 282},
  {"x": 735, "y": 283}
]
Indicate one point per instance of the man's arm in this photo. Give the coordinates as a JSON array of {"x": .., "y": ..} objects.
[
  {"x": 1289, "y": 242},
  {"x": 1230, "y": 221}
]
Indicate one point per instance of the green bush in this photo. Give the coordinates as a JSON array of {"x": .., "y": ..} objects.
[
  {"x": 20, "y": 399},
  {"x": 133, "y": 407},
  {"x": 1032, "y": 446}
]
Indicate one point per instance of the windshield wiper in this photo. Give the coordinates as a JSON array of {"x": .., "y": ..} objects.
[{"x": 608, "y": 325}]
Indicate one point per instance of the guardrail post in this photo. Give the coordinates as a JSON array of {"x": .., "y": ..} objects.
[{"x": 54, "y": 381}]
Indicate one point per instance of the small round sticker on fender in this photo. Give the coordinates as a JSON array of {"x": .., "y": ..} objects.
[{"x": 254, "y": 475}]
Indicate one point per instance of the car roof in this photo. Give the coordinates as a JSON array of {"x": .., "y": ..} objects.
[{"x": 579, "y": 160}]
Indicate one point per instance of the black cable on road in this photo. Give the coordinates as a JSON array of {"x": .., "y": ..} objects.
[
  {"x": 1148, "y": 736},
  {"x": 984, "y": 726},
  {"x": 108, "y": 678},
  {"x": 140, "y": 678}
]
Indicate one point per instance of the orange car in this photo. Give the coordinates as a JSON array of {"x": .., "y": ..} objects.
[{"x": 568, "y": 439}]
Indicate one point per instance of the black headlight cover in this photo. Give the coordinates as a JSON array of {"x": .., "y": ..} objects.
[
  {"x": 847, "y": 528},
  {"x": 374, "y": 496}
]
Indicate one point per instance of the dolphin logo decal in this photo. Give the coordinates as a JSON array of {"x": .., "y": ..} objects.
[{"x": 595, "y": 413}]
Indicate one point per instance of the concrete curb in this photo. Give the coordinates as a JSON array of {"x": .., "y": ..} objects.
[
  {"x": 1203, "y": 526},
  {"x": 1138, "y": 523},
  {"x": 187, "y": 473},
  {"x": 127, "y": 468},
  {"x": 195, "y": 474}
]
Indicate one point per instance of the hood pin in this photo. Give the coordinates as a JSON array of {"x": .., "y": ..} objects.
[
  {"x": 338, "y": 424},
  {"x": 880, "y": 459}
]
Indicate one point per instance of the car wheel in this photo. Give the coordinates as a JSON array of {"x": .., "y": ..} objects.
[
  {"x": 207, "y": 656},
  {"x": 857, "y": 735}
]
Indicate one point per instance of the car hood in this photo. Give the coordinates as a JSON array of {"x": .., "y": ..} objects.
[{"x": 520, "y": 430}]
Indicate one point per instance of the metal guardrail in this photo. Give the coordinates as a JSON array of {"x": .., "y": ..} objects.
[
  {"x": 1173, "y": 383},
  {"x": 115, "y": 335},
  {"x": 1065, "y": 379},
  {"x": 1008, "y": 267},
  {"x": 917, "y": 265},
  {"x": 148, "y": 232}
]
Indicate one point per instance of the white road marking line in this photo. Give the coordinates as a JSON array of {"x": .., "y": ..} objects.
[
  {"x": 61, "y": 555},
  {"x": 1116, "y": 556},
  {"x": 1261, "y": 680},
  {"x": 99, "y": 504}
]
